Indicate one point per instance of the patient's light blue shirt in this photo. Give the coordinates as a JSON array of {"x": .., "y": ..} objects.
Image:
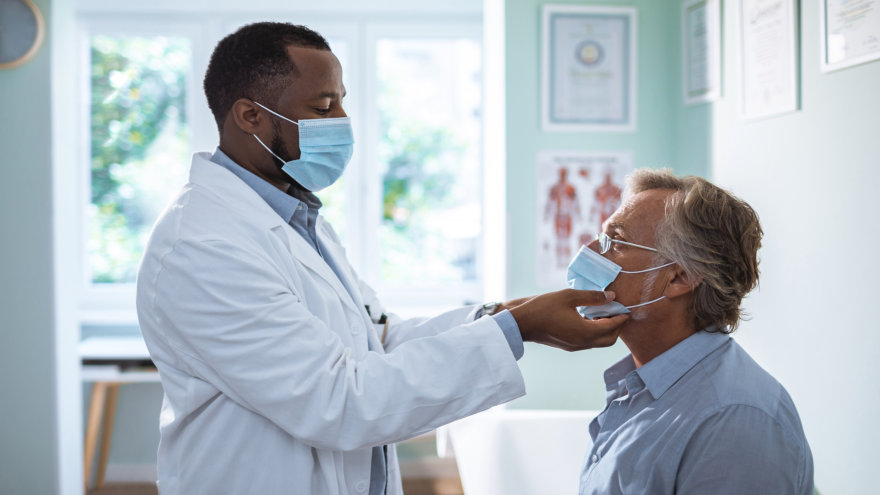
[{"x": 701, "y": 418}]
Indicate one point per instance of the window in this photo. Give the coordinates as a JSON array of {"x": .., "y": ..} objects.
[
  {"x": 139, "y": 145},
  {"x": 429, "y": 159},
  {"x": 409, "y": 207}
]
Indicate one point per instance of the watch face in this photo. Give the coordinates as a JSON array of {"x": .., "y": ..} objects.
[{"x": 21, "y": 31}]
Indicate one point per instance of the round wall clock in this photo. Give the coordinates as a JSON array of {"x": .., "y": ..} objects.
[{"x": 21, "y": 32}]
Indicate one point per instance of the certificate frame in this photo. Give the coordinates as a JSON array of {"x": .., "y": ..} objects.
[
  {"x": 589, "y": 77},
  {"x": 701, "y": 50},
  {"x": 856, "y": 24},
  {"x": 769, "y": 54}
]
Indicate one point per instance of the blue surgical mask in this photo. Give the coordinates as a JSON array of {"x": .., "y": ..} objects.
[
  {"x": 590, "y": 270},
  {"x": 325, "y": 147}
]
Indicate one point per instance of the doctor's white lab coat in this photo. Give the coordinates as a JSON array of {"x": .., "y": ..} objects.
[{"x": 275, "y": 379}]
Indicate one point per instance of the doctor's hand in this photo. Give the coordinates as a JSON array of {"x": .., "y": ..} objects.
[{"x": 552, "y": 319}]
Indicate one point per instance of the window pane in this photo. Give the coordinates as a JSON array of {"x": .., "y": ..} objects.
[
  {"x": 139, "y": 145},
  {"x": 429, "y": 110}
]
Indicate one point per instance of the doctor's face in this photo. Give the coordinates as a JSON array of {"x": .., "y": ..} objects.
[{"x": 316, "y": 93}]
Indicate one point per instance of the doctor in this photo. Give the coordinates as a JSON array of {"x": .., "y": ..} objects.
[{"x": 281, "y": 373}]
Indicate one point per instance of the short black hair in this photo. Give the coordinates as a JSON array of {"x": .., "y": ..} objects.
[{"x": 253, "y": 63}]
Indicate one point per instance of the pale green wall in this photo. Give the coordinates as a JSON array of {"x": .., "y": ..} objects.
[
  {"x": 668, "y": 135},
  {"x": 27, "y": 363}
]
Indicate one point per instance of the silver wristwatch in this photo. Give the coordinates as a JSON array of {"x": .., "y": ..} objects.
[{"x": 490, "y": 308}]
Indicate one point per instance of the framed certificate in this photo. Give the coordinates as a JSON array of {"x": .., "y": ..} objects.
[
  {"x": 850, "y": 33},
  {"x": 589, "y": 68},
  {"x": 768, "y": 54},
  {"x": 701, "y": 50}
]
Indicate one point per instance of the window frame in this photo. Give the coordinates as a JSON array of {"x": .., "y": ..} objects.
[
  {"x": 443, "y": 296},
  {"x": 115, "y": 303}
]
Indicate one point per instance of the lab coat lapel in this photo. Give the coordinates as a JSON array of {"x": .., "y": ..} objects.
[
  {"x": 306, "y": 254},
  {"x": 240, "y": 196},
  {"x": 334, "y": 251}
]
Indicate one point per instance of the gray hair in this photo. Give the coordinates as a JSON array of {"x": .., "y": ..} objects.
[{"x": 713, "y": 236}]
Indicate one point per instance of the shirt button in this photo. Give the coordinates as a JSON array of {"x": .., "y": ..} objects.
[
  {"x": 594, "y": 458},
  {"x": 361, "y": 486}
]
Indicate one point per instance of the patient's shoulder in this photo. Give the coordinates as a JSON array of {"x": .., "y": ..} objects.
[{"x": 738, "y": 380}]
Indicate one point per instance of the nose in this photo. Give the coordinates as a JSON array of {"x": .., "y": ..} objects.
[
  {"x": 340, "y": 112},
  {"x": 594, "y": 245}
]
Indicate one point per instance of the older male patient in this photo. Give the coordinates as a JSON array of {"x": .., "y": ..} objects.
[{"x": 688, "y": 411}]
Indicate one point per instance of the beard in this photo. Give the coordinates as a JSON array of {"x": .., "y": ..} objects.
[{"x": 277, "y": 146}]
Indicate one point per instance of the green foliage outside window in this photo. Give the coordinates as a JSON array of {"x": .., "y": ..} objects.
[
  {"x": 139, "y": 137},
  {"x": 415, "y": 181},
  {"x": 421, "y": 159},
  {"x": 139, "y": 155}
]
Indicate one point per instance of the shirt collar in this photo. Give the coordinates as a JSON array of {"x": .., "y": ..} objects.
[
  {"x": 285, "y": 204},
  {"x": 664, "y": 370},
  {"x": 618, "y": 371}
]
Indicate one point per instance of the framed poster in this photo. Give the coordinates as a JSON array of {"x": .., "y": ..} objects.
[
  {"x": 589, "y": 68},
  {"x": 850, "y": 33},
  {"x": 577, "y": 191},
  {"x": 768, "y": 58},
  {"x": 701, "y": 50}
]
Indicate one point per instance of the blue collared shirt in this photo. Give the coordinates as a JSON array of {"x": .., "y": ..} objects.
[
  {"x": 300, "y": 209},
  {"x": 700, "y": 418}
]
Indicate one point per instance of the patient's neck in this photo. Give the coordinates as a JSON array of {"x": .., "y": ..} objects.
[{"x": 647, "y": 339}]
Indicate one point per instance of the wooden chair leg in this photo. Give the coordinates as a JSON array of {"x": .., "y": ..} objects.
[
  {"x": 96, "y": 409},
  {"x": 107, "y": 431}
]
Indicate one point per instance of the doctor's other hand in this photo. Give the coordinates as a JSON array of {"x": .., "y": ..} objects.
[{"x": 552, "y": 319}]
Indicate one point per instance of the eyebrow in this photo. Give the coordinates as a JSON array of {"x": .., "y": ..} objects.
[{"x": 331, "y": 94}]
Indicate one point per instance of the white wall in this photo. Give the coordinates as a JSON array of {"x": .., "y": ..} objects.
[{"x": 813, "y": 177}]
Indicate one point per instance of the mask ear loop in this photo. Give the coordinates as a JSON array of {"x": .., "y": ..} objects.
[
  {"x": 644, "y": 303},
  {"x": 649, "y": 269},
  {"x": 267, "y": 148},
  {"x": 643, "y": 271},
  {"x": 273, "y": 112}
]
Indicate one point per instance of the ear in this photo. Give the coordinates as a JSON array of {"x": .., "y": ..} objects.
[
  {"x": 681, "y": 284},
  {"x": 246, "y": 116}
]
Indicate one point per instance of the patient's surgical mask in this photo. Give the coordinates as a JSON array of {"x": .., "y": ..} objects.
[
  {"x": 325, "y": 147},
  {"x": 590, "y": 270}
]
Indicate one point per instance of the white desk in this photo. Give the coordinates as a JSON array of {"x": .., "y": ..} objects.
[
  {"x": 520, "y": 452},
  {"x": 109, "y": 362}
]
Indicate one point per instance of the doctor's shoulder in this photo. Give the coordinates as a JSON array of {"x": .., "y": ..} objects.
[{"x": 198, "y": 214}]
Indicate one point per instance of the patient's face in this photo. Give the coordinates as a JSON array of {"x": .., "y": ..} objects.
[{"x": 635, "y": 221}]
